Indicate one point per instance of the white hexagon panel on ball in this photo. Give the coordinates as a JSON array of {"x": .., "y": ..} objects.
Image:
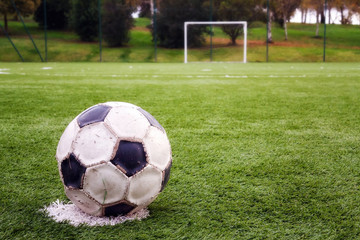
[
  {"x": 145, "y": 185},
  {"x": 127, "y": 123},
  {"x": 121, "y": 104},
  {"x": 94, "y": 143},
  {"x": 105, "y": 183},
  {"x": 84, "y": 202},
  {"x": 65, "y": 144},
  {"x": 158, "y": 148}
]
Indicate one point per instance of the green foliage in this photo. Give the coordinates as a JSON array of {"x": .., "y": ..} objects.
[
  {"x": 236, "y": 10},
  {"x": 145, "y": 10},
  {"x": 117, "y": 22},
  {"x": 170, "y": 23},
  {"x": 85, "y": 19},
  {"x": 25, "y": 7},
  {"x": 57, "y": 12},
  {"x": 284, "y": 9},
  {"x": 260, "y": 151}
]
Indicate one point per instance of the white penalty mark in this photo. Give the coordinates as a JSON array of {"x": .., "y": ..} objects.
[{"x": 70, "y": 213}]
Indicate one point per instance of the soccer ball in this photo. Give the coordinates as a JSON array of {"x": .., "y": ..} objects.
[{"x": 114, "y": 159}]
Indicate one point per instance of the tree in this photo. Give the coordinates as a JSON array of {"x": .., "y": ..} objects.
[
  {"x": 283, "y": 10},
  {"x": 268, "y": 6},
  {"x": 170, "y": 22},
  {"x": 57, "y": 11},
  {"x": 236, "y": 10},
  {"x": 330, "y": 5},
  {"x": 25, "y": 7},
  {"x": 85, "y": 19},
  {"x": 304, "y": 7},
  {"x": 145, "y": 9},
  {"x": 352, "y": 7},
  {"x": 318, "y": 6},
  {"x": 117, "y": 22}
]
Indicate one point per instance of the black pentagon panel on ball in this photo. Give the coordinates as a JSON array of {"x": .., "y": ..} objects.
[
  {"x": 72, "y": 172},
  {"x": 93, "y": 115},
  {"x": 151, "y": 119},
  {"x": 166, "y": 177},
  {"x": 118, "y": 209},
  {"x": 130, "y": 157}
]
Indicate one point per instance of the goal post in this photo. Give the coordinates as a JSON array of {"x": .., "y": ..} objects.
[{"x": 186, "y": 24}]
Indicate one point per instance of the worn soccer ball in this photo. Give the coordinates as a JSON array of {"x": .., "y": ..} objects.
[{"x": 114, "y": 159}]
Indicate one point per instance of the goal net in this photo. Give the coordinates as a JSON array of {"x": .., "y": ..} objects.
[{"x": 225, "y": 42}]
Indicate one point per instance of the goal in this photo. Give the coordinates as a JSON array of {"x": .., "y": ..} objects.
[{"x": 187, "y": 24}]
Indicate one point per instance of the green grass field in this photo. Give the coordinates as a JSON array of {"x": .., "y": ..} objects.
[
  {"x": 302, "y": 46},
  {"x": 260, "y": 151}
]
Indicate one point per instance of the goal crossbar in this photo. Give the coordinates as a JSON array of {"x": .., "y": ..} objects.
[{"x": 186, "y": 24}]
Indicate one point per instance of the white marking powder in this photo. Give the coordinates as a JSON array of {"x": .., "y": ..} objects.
[{"x": 70, "y": 213}]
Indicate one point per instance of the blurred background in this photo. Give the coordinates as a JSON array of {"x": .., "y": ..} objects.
[{"x": 153, "y": 31}]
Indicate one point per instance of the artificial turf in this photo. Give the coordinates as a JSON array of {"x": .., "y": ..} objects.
[{"x": 259, "y": 150}]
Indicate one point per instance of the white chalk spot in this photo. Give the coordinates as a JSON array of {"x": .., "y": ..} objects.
[
  {"x": 4, "y": 73},
  {"x": 46, "y": 68},
  {"x": 70, "y": 213}
]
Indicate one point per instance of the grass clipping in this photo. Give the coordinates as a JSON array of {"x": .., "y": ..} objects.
[{"x": 70, "y": 213}]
